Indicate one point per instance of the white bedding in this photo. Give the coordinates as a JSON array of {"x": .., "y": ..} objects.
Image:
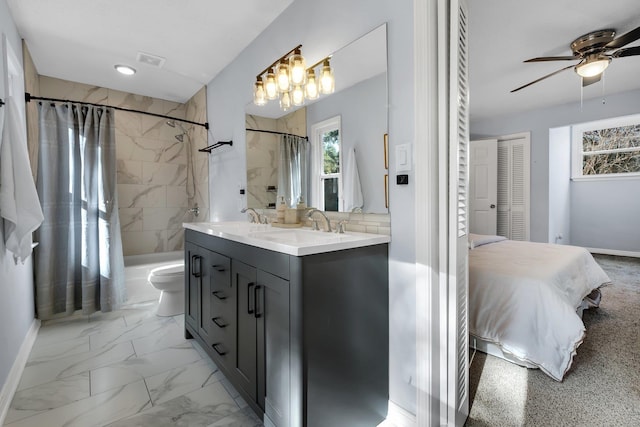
[{"x": 523, "y": 297}]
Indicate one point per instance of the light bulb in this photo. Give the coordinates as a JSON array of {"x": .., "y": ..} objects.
[
  {"x": 271, "y": 85},
  {"x": 259, "y": 96},
  {"x": 285, "y": 101},
  {"x": 298, "y": 95},
  {"x": 327, "y": 83},
  {"x": 311, "y": 88},
  {"x": 297, "y": 67},
  {"x": 283, "y": 77}
]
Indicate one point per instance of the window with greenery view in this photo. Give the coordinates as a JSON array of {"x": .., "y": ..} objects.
[
  {"x": 327, "y": 148},
  {"x": 608, "y": 147}
]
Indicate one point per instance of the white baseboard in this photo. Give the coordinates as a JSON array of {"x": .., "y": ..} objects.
[
  {"x": 614, "y": 252},
  {"x": 13, "y": 379},
  {"x": 399, "y": 417}
]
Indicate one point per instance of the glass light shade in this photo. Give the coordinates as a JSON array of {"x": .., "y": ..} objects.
[
  {"x": 593, "y": 66},
  {"x": 327, "y": 83},
  {"x": 285, "y": 101},
  {"x": 297, "y": 95},
  {"x": 297, "y": 68},
  {"x": 311, "y": 88},
  {"x": 259, "y": 95},
  {"x": 271, "y": 85},
  {"x": 283, "y": 77}
]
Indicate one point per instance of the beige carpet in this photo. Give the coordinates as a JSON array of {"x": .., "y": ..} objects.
[{"x": 601, "y": 389}]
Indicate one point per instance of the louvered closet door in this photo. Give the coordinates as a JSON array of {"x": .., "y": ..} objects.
[
  {"x": 513, "y": 188},
  {"x": 457, "y": 292}
]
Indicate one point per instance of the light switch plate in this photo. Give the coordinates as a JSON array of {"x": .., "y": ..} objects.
[{"x": 403, "y": 158}]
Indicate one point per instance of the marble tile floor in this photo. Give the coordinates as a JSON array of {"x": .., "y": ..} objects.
[{"x": 125, "y": 368}]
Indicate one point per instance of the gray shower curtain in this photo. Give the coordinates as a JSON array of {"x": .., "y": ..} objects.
[
  {"x": 292, "y": 169},
  {"x": 79, "y": 262}
]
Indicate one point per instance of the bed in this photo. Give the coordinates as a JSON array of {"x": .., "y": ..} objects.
[{"x": 526, "y": 300}]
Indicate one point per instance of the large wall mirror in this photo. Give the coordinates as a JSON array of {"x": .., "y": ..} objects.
[{"x": 341, "y": 164}]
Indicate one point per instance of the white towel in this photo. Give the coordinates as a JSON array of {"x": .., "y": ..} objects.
[
  {"x": 19, "y": 204},
  {"x": 352, "y": 188}
]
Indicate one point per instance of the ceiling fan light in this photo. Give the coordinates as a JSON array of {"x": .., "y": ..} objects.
[{"x": 593, "y": 66}]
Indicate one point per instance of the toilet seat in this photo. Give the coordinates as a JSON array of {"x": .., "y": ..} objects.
[{"x": 167, "y": 273}]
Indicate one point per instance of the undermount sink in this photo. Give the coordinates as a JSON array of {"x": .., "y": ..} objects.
[{"x": 300, "y": 236}]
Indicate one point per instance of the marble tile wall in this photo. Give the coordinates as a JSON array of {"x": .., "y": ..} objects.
[
  {"x": 155, "y": 170},
  {"x": 358, "y": 222},
  {"x": 263, "y": 152},
  {"x": 197, "y": 162}
]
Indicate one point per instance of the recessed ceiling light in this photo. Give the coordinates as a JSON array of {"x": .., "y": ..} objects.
[{"x": 125, "y": 69}]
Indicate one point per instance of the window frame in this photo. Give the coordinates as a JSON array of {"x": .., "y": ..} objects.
[
  {"x": 577, "y": 154},
  {"x": 317, "y": 159}
]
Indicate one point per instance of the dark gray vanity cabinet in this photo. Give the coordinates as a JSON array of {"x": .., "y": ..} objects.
[
  {"x": 222, "y": 300},
  {"x": 198, "y": 287},
  {"x": 303, "y": 339}
]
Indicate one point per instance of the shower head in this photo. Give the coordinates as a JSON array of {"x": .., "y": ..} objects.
[
  {"x": 171, "y": 123},
  {"x": 180, "y": 137}
]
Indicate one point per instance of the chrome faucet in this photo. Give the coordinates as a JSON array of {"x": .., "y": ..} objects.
[
  {"x": 194, "y": 210},
  {"x": 255, "y": 216},
  {"x": 326, "y": 220}
]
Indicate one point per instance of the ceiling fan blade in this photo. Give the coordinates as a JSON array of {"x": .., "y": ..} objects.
[
  {"x": 624, "y": 39},
  {"x": 629, "y": 51},
  {"x": 552, "y": 58},
  {"x": 542, "y": 78},
  {"x": 586, "y": 81}
]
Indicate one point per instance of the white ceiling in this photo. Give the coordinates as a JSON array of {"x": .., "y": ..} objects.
[
  {"x": 503, "y": 33},
  {"x": 82, "y": 40}
]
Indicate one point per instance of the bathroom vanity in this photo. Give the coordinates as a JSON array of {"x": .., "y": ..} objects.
[{"x": 297, "y": 320}]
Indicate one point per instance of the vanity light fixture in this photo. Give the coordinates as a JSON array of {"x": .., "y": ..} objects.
[
  {"x": 327, "y": 82},
  {"x": 125, "y": 69},
  {"x": 259, "y": 95},
  {"x": 311, "y": 88},
  {"x": 271, "y": 84},
  {"x": 289, "y": 79}
]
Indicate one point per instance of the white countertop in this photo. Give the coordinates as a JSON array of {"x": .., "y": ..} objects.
[{"x": 292, "y": 241}]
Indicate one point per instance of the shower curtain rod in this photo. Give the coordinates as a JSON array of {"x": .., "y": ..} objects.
[
  {"x": 28, "y": 97},
  {"x": 306, "y": 138}
]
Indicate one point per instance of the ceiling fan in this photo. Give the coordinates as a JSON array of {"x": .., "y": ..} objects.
[{"x": 593, "y": 53}]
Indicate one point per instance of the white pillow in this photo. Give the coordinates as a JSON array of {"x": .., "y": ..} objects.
[{"x": 476, "y": 240}]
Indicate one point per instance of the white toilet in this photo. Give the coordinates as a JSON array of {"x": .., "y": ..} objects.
[{"x": 169, "y": 279}]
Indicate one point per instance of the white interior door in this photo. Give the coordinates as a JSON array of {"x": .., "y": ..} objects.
[
  {"x": 483, "y": 186},
  {"x": 514, "y": 186}
]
